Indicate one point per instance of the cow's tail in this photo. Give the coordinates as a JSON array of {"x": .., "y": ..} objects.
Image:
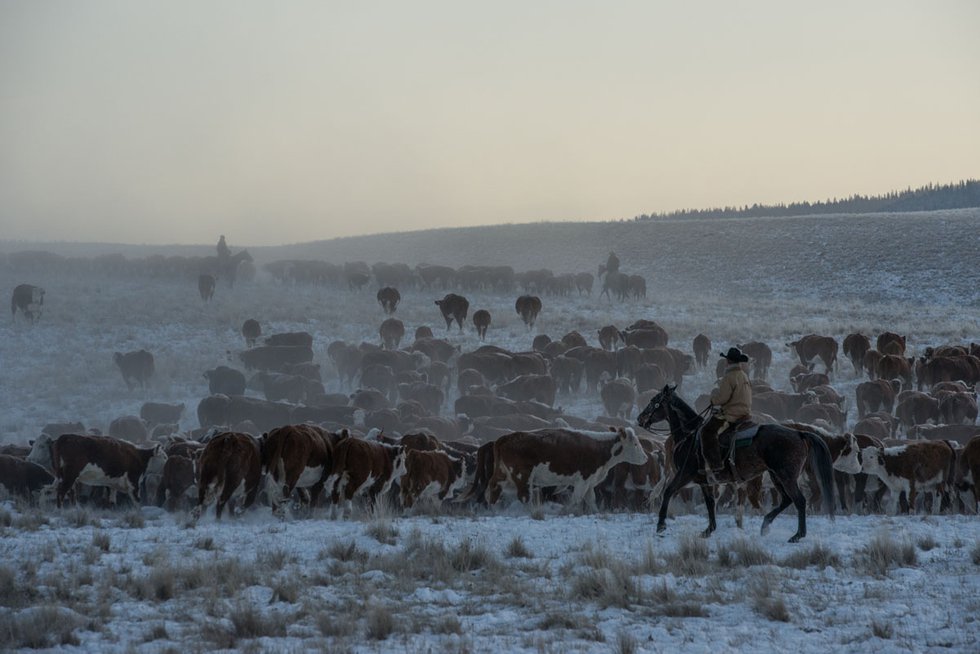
[
  {"x": 484, "y": 468},
  {"x": 275, "y": 463},
  {"x": 339, "y": 470},
  {"x": 822, "y": 465}
]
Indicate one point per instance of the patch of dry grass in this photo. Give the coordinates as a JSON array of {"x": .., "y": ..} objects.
[{"x": 883, "y": 553}]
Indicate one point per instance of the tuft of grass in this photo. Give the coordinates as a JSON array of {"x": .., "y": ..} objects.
[
  {"x": 558, "y": 620},
  {"x": 767, "y": 601},
  {"x": 468, "y": 557},
  {"x": 448, "y": 624},
  {"x": 818, "y": 555},
  {"x": 743, "y": 552},
  {"x": 884, "y": 553},
  {"x": 380, "y": 623},
  {"x": 133, "y": 519},
  {"x": 691, "y": 556},
  {"x": 206, "y": 543},
  {"x": 383, "y": 531},
  {"x": 537, "y": 513},
  {"x": 883, "y": 630},
  {"x": 333, "y": 624},
  {"x": 516, "y": 549},
  {"x": 157, "y": 632},
  {"x": 927, "y": 543},
  {"x": 274, "y": 559},
  {"x": 101, "y": 540},
  {"x": 37, "y": 628},
  {"x": 626, "y": 643},
  {"x": 344, "y": 552},
  {"x": 975, "y": 553},
  {"x": 285, "y": 589},
  {"x": 608, "y": 586},
  {"x": 251, "y": 623},
  {"x": 30, "y": 521}
]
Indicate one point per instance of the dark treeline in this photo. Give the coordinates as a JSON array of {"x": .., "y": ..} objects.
[{"x": 932, "y": 197}]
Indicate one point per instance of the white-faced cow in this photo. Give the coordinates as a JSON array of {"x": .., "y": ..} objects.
[
  {"x": 453, "y": 307},
  {"x": 29, "y": 299},
  {"x": 430, "y": 474},
  {"x": 136, "y": 367},
  {"x": 103, "y": 461},
  {"x": 388, "y": 298},
  {"x": 392, "y": 331},
  {"x": 560, "y": 458},
  {"x": 918, "y": 466}
]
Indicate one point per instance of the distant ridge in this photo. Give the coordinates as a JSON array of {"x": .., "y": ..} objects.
[{"x": 932, "y": 197}]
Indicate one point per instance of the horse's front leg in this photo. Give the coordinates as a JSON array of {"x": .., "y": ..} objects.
[
  {"x": 709, "y": 502},
  {"x": 678, "y": 482}
]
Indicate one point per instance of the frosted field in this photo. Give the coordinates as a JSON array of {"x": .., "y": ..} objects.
[{"x": 457, "y": 580}]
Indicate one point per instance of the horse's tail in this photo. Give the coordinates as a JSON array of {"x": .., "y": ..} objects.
[{"x": 822, "y": 466}]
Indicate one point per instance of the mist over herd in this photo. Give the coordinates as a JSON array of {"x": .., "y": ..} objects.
[{"x": 326, "y": 392}]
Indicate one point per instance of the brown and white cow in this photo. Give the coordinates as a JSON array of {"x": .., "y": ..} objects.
[
  {"x": 637, "y": 486},
  {"x": 916, "y": 408},
  {"x": 230, "y": 467},
  {"x": 296, "y": 456},
  {"x": 103, "y": 461},
  {"x": 911, "y": 468},
  {"x": 364, "y": 467},
  {"x": 429, "y": 474},
  {"x": 560, "y": 458},
  {"x": 453, "y": 307},
  {"x": 23, "y": 478},
  {"x": 813, "y": 346},
  {"x": 892, "y": 366}
]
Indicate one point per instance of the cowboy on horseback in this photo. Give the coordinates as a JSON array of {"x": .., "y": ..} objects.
[{"x": 733, "y": 402}]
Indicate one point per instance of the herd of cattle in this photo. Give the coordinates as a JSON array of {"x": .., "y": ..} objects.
[{"x": 390, "y": 431}]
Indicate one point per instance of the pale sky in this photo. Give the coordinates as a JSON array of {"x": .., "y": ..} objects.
[{"x": 280, "y": 122}]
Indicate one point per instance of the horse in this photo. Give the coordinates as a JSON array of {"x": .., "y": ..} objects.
[{"x": 775, "y": 449}]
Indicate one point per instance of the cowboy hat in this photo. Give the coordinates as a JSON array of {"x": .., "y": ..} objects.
[{"x": 735, "y": 355}]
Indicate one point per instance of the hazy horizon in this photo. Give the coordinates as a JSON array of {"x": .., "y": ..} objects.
[{"x": 171, "y": 123}]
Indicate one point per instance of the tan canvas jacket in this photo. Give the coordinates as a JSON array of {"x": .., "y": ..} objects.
[{"x": 734, "y": 394}]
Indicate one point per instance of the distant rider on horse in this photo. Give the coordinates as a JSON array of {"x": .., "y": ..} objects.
[{"x": 732, "y": 401}]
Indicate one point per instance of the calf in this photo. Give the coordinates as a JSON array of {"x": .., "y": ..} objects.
[
  {"x": 23, "y": 478},
  {"x": 916, "y": 466},
  {"x": 251, "y": 330},
  {"x": 481, "y": 320},
  {"x": 230, "y": 467},
  {"x": 295, "y": 456},
  {"x": 388, "y": 298},
  {"x": 530, "y": 387},
  {"x": 392, "y": 330},
  {"x": 702, "y": 349},
  {"x": 225, "y": 381},
  {"x": 915, "y": 408},
  {"x": 618, "y": 397},
  {"x": 156, "y": 413},
  {"x": 103, "y": 461},
  {"x": 609, "y": 337},
  {"x": 890, "y": 343},
  {"x": 760, "y": 356},
  {"x": 892, "y": 366},
  {"x": 876, "y": 394},
  {"x": 560, "y": 457}
]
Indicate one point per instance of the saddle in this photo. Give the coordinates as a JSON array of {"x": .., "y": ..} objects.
[{"x": 738, "y": 435}]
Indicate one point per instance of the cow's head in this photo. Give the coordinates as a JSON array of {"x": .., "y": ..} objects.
[
  {"x": 628, "y": 447},
  {"x": 872, "y": 460},
  {"x": 849, "y": 460}
]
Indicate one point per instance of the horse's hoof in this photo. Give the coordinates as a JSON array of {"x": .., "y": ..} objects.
[
  {"x": 764, "y": 530},
  {"x": 706, "y": 533},
  {"x": 661, "y": 529},
  {"x": 795, "y": 539}
]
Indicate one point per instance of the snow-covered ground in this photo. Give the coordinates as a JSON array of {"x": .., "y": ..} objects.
[{"x": 516, "y": 579}]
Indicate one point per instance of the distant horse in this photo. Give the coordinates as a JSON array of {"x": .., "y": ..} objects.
[
  {"x": 225, "y": 267},
  {"x": 775, "y": 449}
]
